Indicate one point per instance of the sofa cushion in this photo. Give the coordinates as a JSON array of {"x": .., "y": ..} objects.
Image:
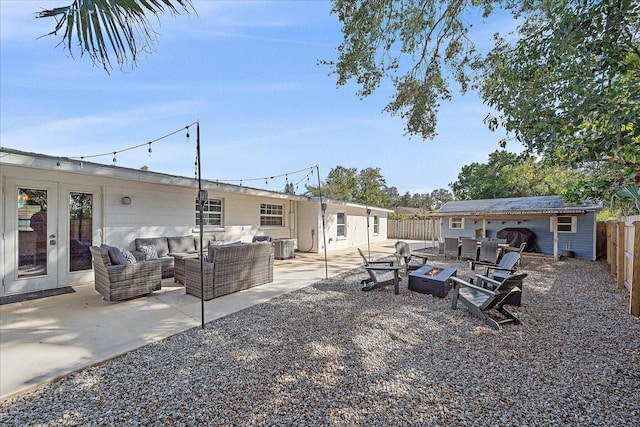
[
  {"x": 160, "y": 243},
  {"x": 115, "y": 255},
  {"x": 181, "y": 244}
]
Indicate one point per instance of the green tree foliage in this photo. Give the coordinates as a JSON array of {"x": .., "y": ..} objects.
[
  {"x": 508, "y": 174},
  {"x": 368, "y": 187},
  {"x": 289, "y": 188},
  {"x": 568, "y": 88},
  {"x": 106, "y": 28},
  {"x": 565, "y": 84}
]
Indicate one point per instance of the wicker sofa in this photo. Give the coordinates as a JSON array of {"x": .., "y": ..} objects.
[
  {"x": 230, "y": 268},
  {"x": 121, "y": 282}
]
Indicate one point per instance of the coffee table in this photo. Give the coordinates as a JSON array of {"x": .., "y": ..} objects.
[{"x": 432, "y": 280}]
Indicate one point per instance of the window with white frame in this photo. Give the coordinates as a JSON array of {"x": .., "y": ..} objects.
[
  {"x": 565, "y": 224},
  {"x": 211, "y": 213},
  {"x": 456, "y": 223},
  {"x": 341, "y": 224},
  {"x": 376, "y": 224},
  {"x": 271, "y": 214}
]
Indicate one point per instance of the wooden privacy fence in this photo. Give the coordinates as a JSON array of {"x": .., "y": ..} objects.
[
  {"x": 623, "y": 255},
  {"x": 414, "y": 229}
]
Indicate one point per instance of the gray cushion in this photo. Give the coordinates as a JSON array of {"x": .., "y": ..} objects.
[
  {"x": 181, "y": 244},
  {"x": 162, "y": 247},
  {"x": 115, "y": 255}
]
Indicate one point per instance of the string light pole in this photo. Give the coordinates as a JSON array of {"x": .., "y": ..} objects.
[
  {"x": 323, "y": 208},
  {"x": 203, "y": 195}
]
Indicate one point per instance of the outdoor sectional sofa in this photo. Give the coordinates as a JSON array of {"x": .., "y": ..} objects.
[
  {"x": 164, "y": 246},
  {"x": 230, "y": 268}
]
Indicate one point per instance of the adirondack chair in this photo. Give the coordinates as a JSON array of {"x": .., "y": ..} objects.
[
  {"x": 488, "y": 252},
  {"x": 481, "y": 301},
  {"x": 469, "y": 249},
  {"x": 404, "y": 256},
  {"x": 451, "y": 247},
  {"x": 381, "y": 274},
  {"x": 506, "y": 266}
]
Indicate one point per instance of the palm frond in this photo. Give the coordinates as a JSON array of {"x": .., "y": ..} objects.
[{"x": 103, "y": 29}]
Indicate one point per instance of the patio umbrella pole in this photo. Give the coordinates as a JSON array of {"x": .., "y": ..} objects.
[{"x": 202, "y": 197}]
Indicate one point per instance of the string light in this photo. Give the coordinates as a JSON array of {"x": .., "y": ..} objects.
[
  {"x": 58, "y": 162},
  {"x": 149, "y": 149}
]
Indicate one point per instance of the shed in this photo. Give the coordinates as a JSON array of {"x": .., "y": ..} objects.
[{"x": 557, "y": 225}]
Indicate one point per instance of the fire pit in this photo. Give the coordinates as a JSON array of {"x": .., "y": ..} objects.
[{"x": 431, "y": 280}]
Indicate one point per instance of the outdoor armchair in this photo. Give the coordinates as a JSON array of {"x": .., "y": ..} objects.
[
  {"x": 405, "y": 256},
  {"x": 121, "y": 282},
  {"x": 481, "y": 302}
]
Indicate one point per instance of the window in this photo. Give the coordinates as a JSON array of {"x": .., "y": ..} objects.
[
  {"x": 271, "y": 214},
  {"x": 341, "y": 222},
  {"x": 376, "y": 224},
  {"x": 211, "y": 213},
  {"x": 566, "y": 224},
  {"x": 456, "y": 223}
]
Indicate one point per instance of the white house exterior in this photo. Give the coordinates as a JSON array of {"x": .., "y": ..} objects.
[{"x": 39, "y": 236}]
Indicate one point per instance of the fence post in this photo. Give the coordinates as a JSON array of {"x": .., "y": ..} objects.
[
  {"x": 620, "y": 254},
  {"x": 634, "y": 300}
]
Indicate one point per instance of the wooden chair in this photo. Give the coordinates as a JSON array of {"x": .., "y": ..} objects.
[
  {"x": 481, "y": 301},
  {"x": 469, "y": 249},
  {"x": 488, "y": 252},
  {"x": 451, "y": 247},
  {"x": 489, "y": 269},
  {"x": 404, "y": 256},
  {"x": 381, "y": 274}
]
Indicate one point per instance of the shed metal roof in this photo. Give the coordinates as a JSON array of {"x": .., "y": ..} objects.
[{"x": 515, "y": 206}]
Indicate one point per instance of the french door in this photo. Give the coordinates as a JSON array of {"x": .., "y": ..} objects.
[{"x": 48, "y": 230}]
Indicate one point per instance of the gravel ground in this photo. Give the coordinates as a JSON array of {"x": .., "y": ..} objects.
[{"x": 330, "y": 354}]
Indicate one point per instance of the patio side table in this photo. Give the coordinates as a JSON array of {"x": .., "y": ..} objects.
[{"x": 178, "y": 264}]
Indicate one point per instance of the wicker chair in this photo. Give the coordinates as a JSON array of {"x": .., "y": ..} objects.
[{"x": 121, "y": 282}]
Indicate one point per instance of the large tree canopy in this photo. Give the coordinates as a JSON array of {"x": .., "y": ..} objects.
[
  {"x": 106, "y": 28},
  {"x": 565, "y": 84}
]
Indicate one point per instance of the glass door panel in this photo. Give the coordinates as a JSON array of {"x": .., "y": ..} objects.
[
  {"x": 33, "y": 235},
  {"x": 80, "y": 230}
]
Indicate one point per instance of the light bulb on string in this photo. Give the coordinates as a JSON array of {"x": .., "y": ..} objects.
[
  {"x": 58, "y": 162},
  {"x": 114, "y": 160},
  {"x": 187, "y": 134},
  {"x": 81, "y": 164},
  {"x": 150, "y": 150}
]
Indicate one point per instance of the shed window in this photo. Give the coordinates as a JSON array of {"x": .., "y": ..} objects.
[
  {"x": 456, "y": 223},
  {"x": 566, "y": 224},
  {"x": 376, "y": 224}
]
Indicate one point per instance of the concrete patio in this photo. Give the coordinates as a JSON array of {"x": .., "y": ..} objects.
[{"x": 45, "y": 339}]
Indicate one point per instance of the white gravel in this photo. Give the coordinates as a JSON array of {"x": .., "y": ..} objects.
[{"x": 330, "y": 354}]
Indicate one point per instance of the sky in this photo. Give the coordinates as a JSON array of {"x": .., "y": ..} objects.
[{"x": 248, "y": 72}]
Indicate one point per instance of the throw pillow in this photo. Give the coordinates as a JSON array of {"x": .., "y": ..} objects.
[
  {"x": 129, "y": 256},
  {"x": 115, "y": 255},
  {"x": 149, "y": 252}
]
